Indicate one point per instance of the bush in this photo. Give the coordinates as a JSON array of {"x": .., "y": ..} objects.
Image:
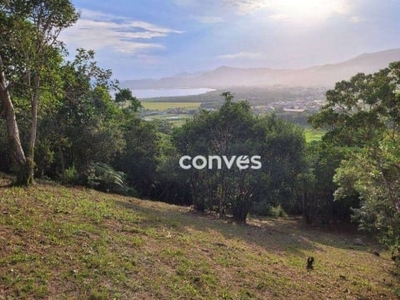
[
  {"x": 277, "y": 211},
  {"x": 70, "y": 175},
  {"x": 261, "y": 208},
  {"x": 264, "y": 208},
  {"x": 104, "y": 178}
]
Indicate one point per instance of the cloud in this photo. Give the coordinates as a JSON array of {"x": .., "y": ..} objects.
[
  {"x": 96, "y": 30},
  {"x": 209, "y": 19},
  {"x": 302, "y": 12},
  {"x": 292, "y": 9},
  {"x": 152, "y": 27},
  {"x": 240, "y": 55},
  {"x": 245, "y": 7}
]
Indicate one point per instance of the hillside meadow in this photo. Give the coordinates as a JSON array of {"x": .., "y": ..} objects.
[{"x": 60, "y": 242}]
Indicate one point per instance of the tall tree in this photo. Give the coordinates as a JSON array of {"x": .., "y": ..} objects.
[
  {"x": 139, "y": 157},
  {"x": 29, "y": 50},
  {"x": 315, "y": 187},
  {"x": 364, "y": 113},
  {"x": 83, "y": 126},
  {"x": 236, "y": 134}
]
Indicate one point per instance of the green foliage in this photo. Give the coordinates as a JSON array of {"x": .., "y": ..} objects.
[
  {"x": 283, "y": 154},
  {"x": 103, "y": 177},
  {"x": 170, "y": 184},
  {"x": 315, "y": 186},
  {"x": 261, "y": 208},
  {"x": 364, "y": 113},
  {"x": 313, "y": 135},
  {"x": 233, "y": 130},
  {"x": 360, "y": 110},
  {"x": 45, "y": 156},
  {"x": 130, "y": 104},
  {"x": 30, "y": 55},
  {"x": 138, "y": 159},
  {"x": 71, "y": 175},
  {"x": 83, "y": 125},
  {"x": 278, "y": 211},
  {"x": 377, "y": 213},
  {"x": 264, "y": 208},
  {"x": 225, "y": 132}
]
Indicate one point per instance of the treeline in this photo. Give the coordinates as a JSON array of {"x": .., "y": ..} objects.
[
  {"x": 87, "y": 137},
  {"x": 59, "y": 121}
]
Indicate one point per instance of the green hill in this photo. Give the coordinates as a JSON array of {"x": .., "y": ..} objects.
[{"x": 74, "y": 243}]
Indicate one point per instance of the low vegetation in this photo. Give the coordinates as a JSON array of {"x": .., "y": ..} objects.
[
  {"x": 313, "y": 135},
  {"x": 169, "y": 105},
  {"x": 75, "y": 243}
]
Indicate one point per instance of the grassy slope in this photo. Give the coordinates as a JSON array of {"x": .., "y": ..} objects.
[
  {"x": 74, "y": 243},
  {"x": 313, "y": 135}
]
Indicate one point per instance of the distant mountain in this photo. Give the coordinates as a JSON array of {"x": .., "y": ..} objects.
[{"x": 224, "y": 77}]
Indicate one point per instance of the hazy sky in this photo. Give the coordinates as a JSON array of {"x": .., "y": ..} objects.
[{"x": 157, "y": 38}]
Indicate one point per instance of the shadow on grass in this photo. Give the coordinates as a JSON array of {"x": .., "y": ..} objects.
[
  {"x": 6, "y": 181},
  {"x": 278, "y": 235}
]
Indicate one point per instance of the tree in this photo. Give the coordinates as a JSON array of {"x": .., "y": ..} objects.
[
  {"x": 315, "y": 187},
  {"x": 234, "y": 133},
  {"x": 364, "y": 114},
  {"x": 374, "y": 176},
  {"x": 29, "y": 51},
  {"x": 226, "y": 132},
  {"x": 170, "y": 183},
  {"x": 129, "y": 103},
  {"x": 283, "y": 158},
  {"x": 84, "y": 125},
  {"x": 138, "y": 159}
]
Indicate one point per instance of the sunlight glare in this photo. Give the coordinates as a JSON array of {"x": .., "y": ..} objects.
[{"x": 305, "y": 10}]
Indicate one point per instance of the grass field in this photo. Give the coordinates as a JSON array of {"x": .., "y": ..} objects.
[
  {"x": 168, "y": 105},
  {"x": 176, "y": 120},
  {"x": 74, "y": 243},
  {"x": 313, "y": 135}
]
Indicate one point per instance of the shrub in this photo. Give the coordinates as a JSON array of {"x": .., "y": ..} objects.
[
  {"x": 278, "y": 211},
  {"x": 103, "y": 177},
  {"x": 71, "y": 175}
]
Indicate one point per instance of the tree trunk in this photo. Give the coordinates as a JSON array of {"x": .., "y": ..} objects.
[
  {"x": 18, "y": 160},
  {"x": 33, "y": 131},
  {"x": 62, "y": 161}
]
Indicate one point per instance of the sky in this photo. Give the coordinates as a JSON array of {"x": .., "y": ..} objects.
[{"x": 140, "y": 39}]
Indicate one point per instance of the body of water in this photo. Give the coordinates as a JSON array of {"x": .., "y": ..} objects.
[{"x": 176, "y": 92}]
